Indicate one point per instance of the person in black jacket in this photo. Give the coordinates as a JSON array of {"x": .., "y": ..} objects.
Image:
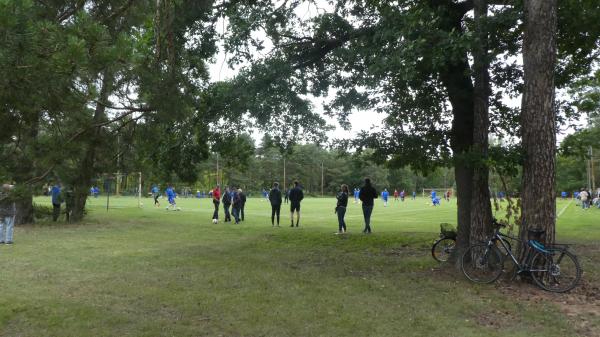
[
  {"x": 367, "y": 194},
  {"x": 226, "y": 200},
  {"x": 242, "y": 203},
  {"x": 275, "y": 199},
  {"x": 236, "y": 205},
  {"x": 340, "y": 208},
  {"x": 296, "y": 195}
]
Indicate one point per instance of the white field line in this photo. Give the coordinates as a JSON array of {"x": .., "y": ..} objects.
[{"x": 564, "y": 208}]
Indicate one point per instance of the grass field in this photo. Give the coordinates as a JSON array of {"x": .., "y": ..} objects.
[{"x": 151, "y": 272}]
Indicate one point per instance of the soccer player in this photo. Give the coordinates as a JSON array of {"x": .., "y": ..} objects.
[
  {"x": 275, "y": 199},
  {"x": 563, "y": 195},
  {"x": 367, "y": 194},
  {"x": 216, "y": 196},
  {"x": 296, "y": 196},
  {"x": 396, "y": 194},
  {"x": 384, "y": 196},
  {"x": 155, "y": 195},
  {"x": 356, "y": 193},
  {"x": 402, "y": 195},
  {"x": 414, "y": 195},
  {"x": 226, "y": 200},
  {"x": 170, "y": 192}
]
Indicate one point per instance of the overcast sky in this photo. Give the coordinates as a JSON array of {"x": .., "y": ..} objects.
[{"x": 359, "y": 120}]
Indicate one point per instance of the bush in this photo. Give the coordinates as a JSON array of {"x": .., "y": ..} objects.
[{"x": 42, "y": 212}]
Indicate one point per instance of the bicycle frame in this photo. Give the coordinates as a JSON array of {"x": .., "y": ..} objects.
[{"x": 521, "y": 265}]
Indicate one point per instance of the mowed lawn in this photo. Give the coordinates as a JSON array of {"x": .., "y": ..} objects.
[{"x": 152, "y": 272}]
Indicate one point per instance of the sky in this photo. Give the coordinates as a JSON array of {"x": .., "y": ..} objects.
[{"x": 359, "y": 120}]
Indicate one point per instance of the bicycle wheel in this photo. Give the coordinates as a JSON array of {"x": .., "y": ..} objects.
[
  {"x": 557, "y": 271},
  {"x": 442, "y": 249},
  {"x": 482, "y": 263}
]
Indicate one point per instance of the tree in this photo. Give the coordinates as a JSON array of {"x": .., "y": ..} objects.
[{"x": 538, "y": 119}]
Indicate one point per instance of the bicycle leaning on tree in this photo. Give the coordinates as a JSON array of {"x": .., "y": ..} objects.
[{"x": 553, "y": 268}]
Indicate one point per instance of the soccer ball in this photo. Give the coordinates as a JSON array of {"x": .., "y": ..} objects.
[{"x": 215, "y": 220}]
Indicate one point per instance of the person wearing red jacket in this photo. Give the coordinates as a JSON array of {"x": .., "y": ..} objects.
[{"x": 216, "y": 195}]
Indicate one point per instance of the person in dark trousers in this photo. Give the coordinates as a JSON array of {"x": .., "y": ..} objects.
[
  {"x": 286, "y": 195},
  {"x": 236, "y": 205},
  {"x": 367, "y": 194},
  {"x": 226, "y": 200},
  {"x": 275, "y": 199},
  {"x": 216, "y": 195},
  {"x": 296, "y": 196},
  {"x": 340, "y": 208},
  {"x": 242, "y": 203},
  {"x": 56, "y": 201}
]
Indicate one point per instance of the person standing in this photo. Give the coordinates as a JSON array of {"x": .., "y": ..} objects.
[
  {"x": 56, "y": 201},
  {"x": 275, "y": 199},
  {"x": 356, "y": 192},
  {"x": 340, "y": 208},
  {"x": 155, "y": 194},
  {"x": 242, "y": 202},
  {"x": 583, "y": 195},
  {"x": 8, "y": 211},
  {"x": 226, "y": 200},
  {"x": 396, "y": 195},
  {"x": 402, "y": 195},
  {"x": 367, "y": 194},
  {"x": 414, "y": 195},
  {"x": 216, "y": 196},
  {"x": 296, "y": 196},
  {"x": 286, "y": 195},
  {"x": 384, "y": 195},
  {"x": 236, "y": 205}
]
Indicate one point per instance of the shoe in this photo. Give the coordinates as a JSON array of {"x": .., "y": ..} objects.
[
  {"x": 292, "y": 225},
  {"x": 296, "y": 225},
  {"x": 1, "y": 242},
  {"x": 9, "y": 242}
]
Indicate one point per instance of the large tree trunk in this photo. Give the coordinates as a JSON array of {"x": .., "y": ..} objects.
[
  {"x": 538, "y": 119},
  {"x": 455, "y": 78},
  {"x": 481, "y": 208},
  {"x": 27, "y": 168},
  {"x": 87, "y": 171}
]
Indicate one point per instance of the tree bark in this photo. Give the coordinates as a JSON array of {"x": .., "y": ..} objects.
[
  {"x": 455, "y": 78},
  {"x": 481, "y": 208},
  {"x": 83, "y": 180},
  {"x": 538, "y": 119}
]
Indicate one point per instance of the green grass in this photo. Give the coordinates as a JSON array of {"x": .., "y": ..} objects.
[{"x": 149, "y": 272}]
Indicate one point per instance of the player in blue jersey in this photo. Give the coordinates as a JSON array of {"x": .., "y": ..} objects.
[
  {"x": 170, "y": 192},
  {"x": 384, "y": 195}
]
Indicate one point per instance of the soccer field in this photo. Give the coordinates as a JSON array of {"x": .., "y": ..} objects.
[{"x": 152, "y": 272}]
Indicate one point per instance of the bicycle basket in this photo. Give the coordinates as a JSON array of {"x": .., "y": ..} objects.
[{"x": 447, "y": 230}]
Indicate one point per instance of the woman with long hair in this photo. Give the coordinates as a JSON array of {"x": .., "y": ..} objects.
[{"x": 340, "y": 208}]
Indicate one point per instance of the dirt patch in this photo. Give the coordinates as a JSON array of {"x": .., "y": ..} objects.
[{"x": 581, "y": 305}]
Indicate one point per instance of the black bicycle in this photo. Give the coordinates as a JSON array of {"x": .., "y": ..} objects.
[
  {"x": 553, "y": 268},
  {"x": 443, "y": 247}
]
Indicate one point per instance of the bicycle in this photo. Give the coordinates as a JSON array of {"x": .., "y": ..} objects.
[
  {"x": 552, "y": 268},
  {"x": 443, "y": 247}
]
